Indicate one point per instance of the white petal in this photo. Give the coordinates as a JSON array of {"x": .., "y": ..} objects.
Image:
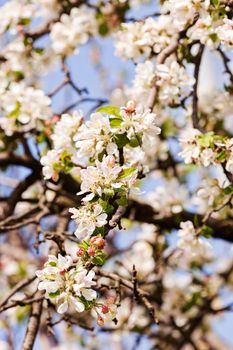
[
  {"x": 89, "y": 294},
  {"x": 63, "y": 307}
]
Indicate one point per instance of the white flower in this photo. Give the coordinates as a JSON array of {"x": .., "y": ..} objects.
[
  {"x": 208, "y": 195},
  {"x": 190, "y": 242},
  {"x": 137, "y": 39},
  {"x": 73, "y": 30},
  {"x": 173, "y": 81},
  {"x": 95, "y": 136},
  {"x": 65, "y": 130},
  {"x": 66, "y": 300},
  {"x": 190, "y": 150},
  {"x": 51, "y": 276},
  {"x": 225, "y": 32},
  {"x": 207, "y": 157},
  {"x": 183, "y": 11},
  {"x": 22, "y": 107},
  {"x": 13, "y": 12},
  {"x": 204, "y": 31},
  {"x": 168, "y": 198},
  {"x": 48, "y": 161},
  {"x": 65, "y": 284},
  {"x": 229, "y": 164},
  {"x": 83, "y": 283},
  {"x": 104, "y": 177},
  {"x": 138, "y": 121},
  {"x": 88, "y": 217}
]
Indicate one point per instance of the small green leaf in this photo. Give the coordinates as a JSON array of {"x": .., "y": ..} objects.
[
  {"x": 54, "y": 295},
  {"x": 98, "y": 260},
  {"x": 39, "y": 50},
  {"x": 123, "y": 201},
  {"x": 111, "y": 110},
  {"x": 221, "y": 156},
  {"x": 53, "y": 263},
  {"x": 25, "y": 21},
  {"x": 228, "y": 189},
  {"x": 135, "y": 142},
  {"x": 15, "y": 112},
  {"x": 126, "y": 172},
  {"x": 121, "y": 140},
  {"x": 115, "y": 122},
  {"x": 103, "y": 29},
  {"x": 207, "y": 231},
  {"x": 108, "y": 208}
]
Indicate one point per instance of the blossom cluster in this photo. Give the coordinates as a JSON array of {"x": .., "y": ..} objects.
[
  {"x": 71, "y": 287},
  {"x": 206, "y": 149},
  {"x": 23, "y": 108},
  {"x": 106, "y": 183},
  {"x": 73, "y": 30},
  {"x": 151, "y": 36},
  {"x": 191, "y": 242},
  {"x": 143, "y": 38}
]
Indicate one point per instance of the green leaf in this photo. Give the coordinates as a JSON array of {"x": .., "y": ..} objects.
[
  {"x": 53, "y": 263},
  {"x": 108, "y": 208},
  {"x": 123, "y": 201},
  {"x": 85, "y": 245},
  {"x": 221, "y": 156},
  {"x": 99, "y": 259},
  {"x": 126, "y": 172},
  {"x": 136, "y": 141},
  {"x": 228, "y": 190},
  {"x": 15, "y": 112},
  {"x": 103, "y": 29},
  {"x": 115, "y": 122},
  {"x": 54, "y": 295},
  {"x": 206, "y": 140},
  {"x": 207, "y": 231},
  {"x": 25, "y": 21},
  {"x": 111, "y": 110},
  {"x": 39, "y": 50},
  {"x": 191, "y": 302},
  {"x": 18, "y": 75},
  {"x": 121, "y": 140}
]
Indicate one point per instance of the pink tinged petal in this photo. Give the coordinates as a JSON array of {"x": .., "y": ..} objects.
[{"x": 62, "y": 308}]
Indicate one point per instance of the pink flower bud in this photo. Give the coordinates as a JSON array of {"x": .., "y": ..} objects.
[
  {"x": 80, "y": 252},
  {"x": 105, "y": 309},
  {"x": 100, "y": 321},
  {"x": 55, "y": 177},
  {"x": 99, "y": 242},
  {"x": 130, "y": 107},
  {"x": 93, "y": 239},
  {"x": 91, "y": 251},
  {"x": 55, "y": 118}
]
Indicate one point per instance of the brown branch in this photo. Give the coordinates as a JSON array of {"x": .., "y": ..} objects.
[
  {"x": 141, "y": 294},
  {"x": 141, "y": 212},
  {"x": 18, "y": 287},
  {"x": 197, "y": 63},
  {"x": 33, "y": 324}
]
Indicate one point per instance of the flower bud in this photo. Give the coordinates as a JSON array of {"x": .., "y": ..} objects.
[
  {"x": 130, "y": 106},
  {"x": 93, "y": 239},
  {"x": 80, "y": 252},
  {"x": 100, "y": 321},
  {"x": 91, "y": 251},
  {"x": 105, "y": 309},
  {"x": 99, "y": 242}
]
